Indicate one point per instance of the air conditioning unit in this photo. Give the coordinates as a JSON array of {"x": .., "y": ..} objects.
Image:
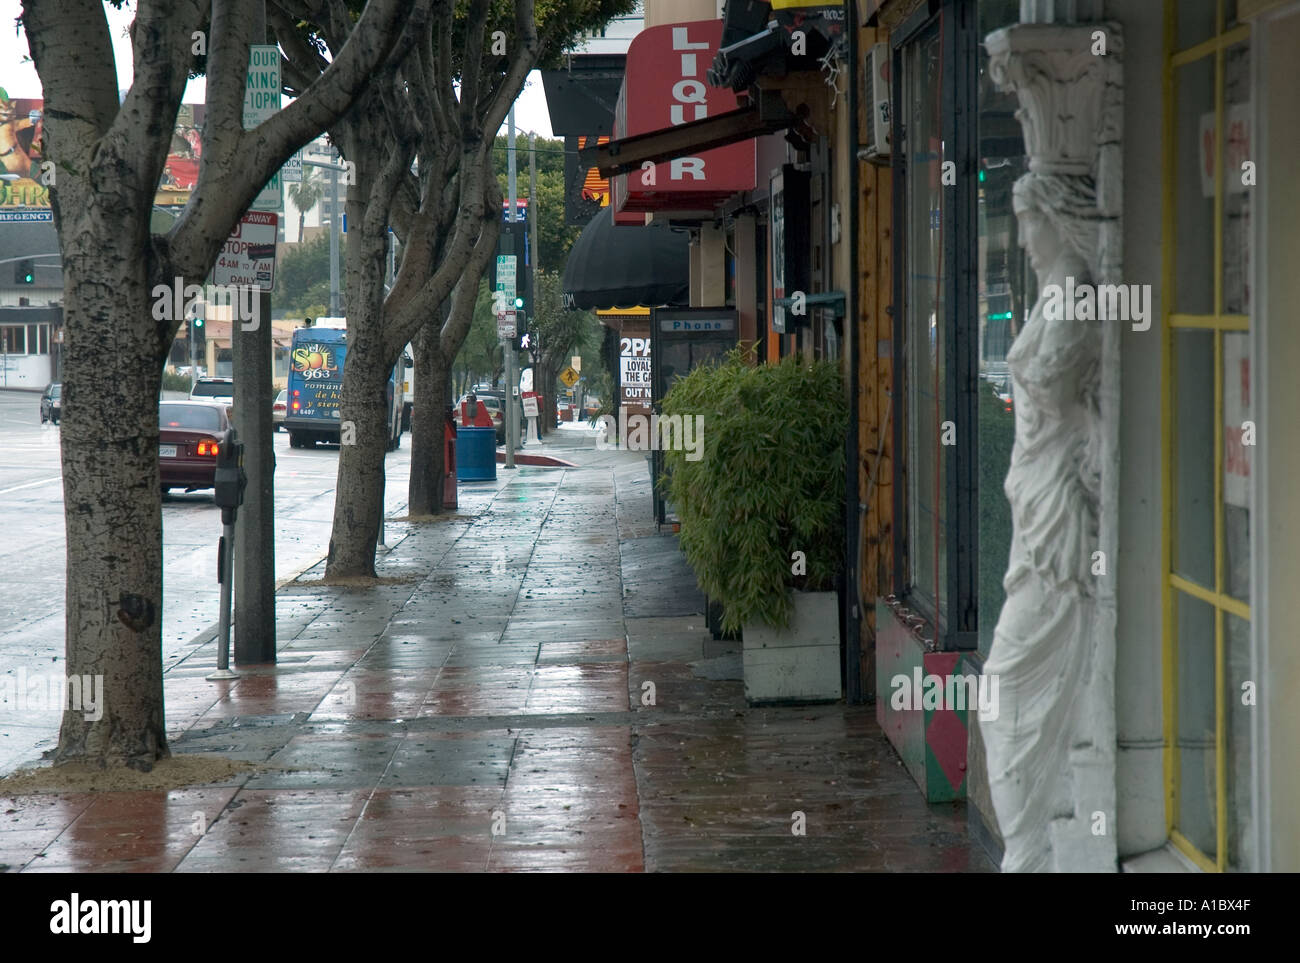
[{"x": 876, "y": 98}]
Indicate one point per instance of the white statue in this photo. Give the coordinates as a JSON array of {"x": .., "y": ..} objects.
[{"x": 1043, "y": 646}]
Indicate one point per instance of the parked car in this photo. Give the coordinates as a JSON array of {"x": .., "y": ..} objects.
[
  {"x": 278, "y": 409},
  {"x": 214, "y": 389},
  {"x": 51, "y": 403},
  {"x": 189, "y": 436}
]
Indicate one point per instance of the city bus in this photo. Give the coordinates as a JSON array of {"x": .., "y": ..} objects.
[{"x": 315, "y": 400}]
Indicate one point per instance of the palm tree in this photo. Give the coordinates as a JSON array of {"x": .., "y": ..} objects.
[{"x": 306, "y": 194}]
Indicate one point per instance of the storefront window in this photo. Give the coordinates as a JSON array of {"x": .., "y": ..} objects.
[
  {"x": 924, "y": 320},
  {"x": 936, "y": 326},
  {"x": 1007, "y": 291},
  {"x": 13, "y": 339},
  {"x": 1208, "y": 433}
]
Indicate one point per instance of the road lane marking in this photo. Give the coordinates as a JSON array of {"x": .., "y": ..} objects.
[{"x": 44, "y": 481}]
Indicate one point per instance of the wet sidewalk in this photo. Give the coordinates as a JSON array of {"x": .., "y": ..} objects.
[{"x": 531, "y": 688}]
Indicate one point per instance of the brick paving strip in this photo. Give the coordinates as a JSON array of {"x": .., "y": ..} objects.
[{"x": 487, "y": 714}]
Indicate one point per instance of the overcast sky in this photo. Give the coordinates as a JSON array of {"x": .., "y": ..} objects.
[{"x": 19, "y": 78}]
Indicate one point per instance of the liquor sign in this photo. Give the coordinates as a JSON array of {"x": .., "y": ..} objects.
[{"x": 665, "y": 86}]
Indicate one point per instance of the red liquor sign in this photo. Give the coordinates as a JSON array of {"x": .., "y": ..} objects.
[{"x": 665, "y": 86}]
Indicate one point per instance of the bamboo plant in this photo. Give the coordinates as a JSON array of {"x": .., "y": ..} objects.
[{"x": 768, "y": 486}]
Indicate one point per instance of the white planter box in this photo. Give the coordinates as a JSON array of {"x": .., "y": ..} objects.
[{"x": 800, "y": 663}]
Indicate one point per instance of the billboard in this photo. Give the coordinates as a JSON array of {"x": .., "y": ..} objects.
[
  {"x": 26, "y": 178},
  {"x": 24, "y": 191},
  {"x": 585, "y": 191}
]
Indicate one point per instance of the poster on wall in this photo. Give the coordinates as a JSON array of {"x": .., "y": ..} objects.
[
  {"x": 634, "y": 371},
  {"x": 790, "y": 234},
  {"x": 1236, "y": 149},
  {"x": 1238, "y": 436}
]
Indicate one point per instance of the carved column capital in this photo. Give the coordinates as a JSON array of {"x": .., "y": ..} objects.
[{"x": 1061, "y": 81}]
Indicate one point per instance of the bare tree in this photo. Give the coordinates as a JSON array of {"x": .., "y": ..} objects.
[
  {"x": 108, "y": 160},
  {"x": 441, "y": 108}
]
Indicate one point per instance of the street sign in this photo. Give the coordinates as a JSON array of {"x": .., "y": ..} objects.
[
  {"x": 569, "y": 377},
  {"x": 505, "y": 325},
  {"x": 261, "y": 100},
  {"x": 248, "y": 256},
  {"x": 506, "y": 274},
  {"x": 291, "y": 172}
]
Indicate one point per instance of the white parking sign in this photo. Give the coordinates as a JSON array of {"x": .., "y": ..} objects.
[{"x": 248, "y": 256}]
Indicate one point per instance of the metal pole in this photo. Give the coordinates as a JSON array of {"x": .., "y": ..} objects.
[
  {"x": 512, "y": 427},
  {"x": 334, "y": 242},
  {"x": 532, "y": 261},
  {"x": 225, "y": 575},
  {"x": 253, "y": 558}
]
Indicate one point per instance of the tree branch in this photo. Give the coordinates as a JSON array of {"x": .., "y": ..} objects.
[{"x": 224, "y": 192}]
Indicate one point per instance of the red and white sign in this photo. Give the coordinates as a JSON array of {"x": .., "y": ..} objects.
[
  {"x": 1236, "y": 149},
  {"x": 1238, "y": 435},
  {"x": 248, "y": 256},
  {"x": 665, "y": 85}
]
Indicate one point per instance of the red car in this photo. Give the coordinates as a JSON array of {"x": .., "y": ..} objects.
[{"x": 189, "y": 433}]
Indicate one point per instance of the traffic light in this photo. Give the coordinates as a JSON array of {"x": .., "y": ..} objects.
[
  {"x": 522, "y": 341},
  {"x": 25, "y": 272}
]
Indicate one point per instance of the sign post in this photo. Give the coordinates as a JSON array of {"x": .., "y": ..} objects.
[{"x": 248, "y": 260}]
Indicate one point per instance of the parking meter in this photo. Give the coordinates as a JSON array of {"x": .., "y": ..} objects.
[
  {"x": 230, "y": 480},
  {"x": 228, "y": 486}
]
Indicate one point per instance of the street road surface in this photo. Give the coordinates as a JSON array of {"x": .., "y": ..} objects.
[{"x": 32, "y": 553}]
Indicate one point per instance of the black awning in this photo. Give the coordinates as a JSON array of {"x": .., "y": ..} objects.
[{"x": 624, "y": 267}]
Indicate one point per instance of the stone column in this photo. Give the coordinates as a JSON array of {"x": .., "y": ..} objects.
[{"x": 1051, "y": 751}]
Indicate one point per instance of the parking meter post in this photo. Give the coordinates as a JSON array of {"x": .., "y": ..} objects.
[
  {"x": 225, "y": 553},
  {"x": 382, "y": 544},
  {"x": 228, "y": 492}
]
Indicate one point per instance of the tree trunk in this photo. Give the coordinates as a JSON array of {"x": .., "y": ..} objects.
[
  {"x": 112, "y": 498},
  {"x": 549, "y": 398},
  {"x": 432, "y": 398},
  {"x": 358, "y": 500}
]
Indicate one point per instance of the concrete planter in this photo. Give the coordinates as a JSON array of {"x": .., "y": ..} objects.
[{"x": 796, "y": 664}]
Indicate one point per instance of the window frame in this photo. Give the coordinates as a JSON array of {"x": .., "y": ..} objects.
[
  {"x": 956, "y": 628},
  {"x": 1217, "y": 322}
]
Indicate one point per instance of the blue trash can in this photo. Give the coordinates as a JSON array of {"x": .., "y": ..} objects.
[{"x": 476, "y": 454}]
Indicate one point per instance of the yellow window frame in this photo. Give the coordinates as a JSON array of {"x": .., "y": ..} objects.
[{"x": 1218, "y": 322}]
